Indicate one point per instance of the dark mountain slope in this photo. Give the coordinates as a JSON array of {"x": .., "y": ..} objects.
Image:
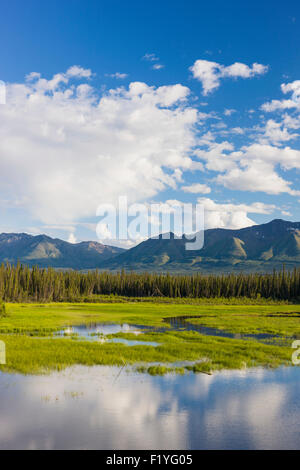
[{"x": 257, "y": 248}]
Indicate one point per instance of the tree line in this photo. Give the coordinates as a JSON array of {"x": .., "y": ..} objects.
[{"x": 21, "y": 283}]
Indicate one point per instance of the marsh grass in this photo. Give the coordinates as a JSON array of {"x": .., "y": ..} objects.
[
  {"x": 160, "y": 370},
  {"x": 38, "y": 353},
  {"x": 46, "y": 318},
  {"x": 32, "y": 355},
  {"x": 279, "y": 323}
]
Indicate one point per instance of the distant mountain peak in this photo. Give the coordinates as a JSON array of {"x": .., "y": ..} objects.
[{"x": 281, "y": 222}]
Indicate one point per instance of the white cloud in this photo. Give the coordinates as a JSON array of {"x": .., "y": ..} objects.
[
  {"x": 253, "y": 167},
  {"x": 276, "y": 132},
  {"x": 229, "y": 112},
  {"x": 207, "y": 73},
  {"x": 158, "y": 66},
  {"x": 197, "y": 188},
  {"x": 293, "y": 102},
  {"x": 153, "y": 58},
  {"x": 210, "y": 73},
  {"x": 232, "y": 216},
  {"x": 291, "y": 122},
  {"x": 64, "y": 150},
  {"x": 242, "y": 70},
  {"x": 117, "y": 75},
  {"x": 255, "y": 171},
  {"x": 237, "y": 130},
  {"x": 259, "y": 176},
  {"x": 286, "y": 213},
  {"x": 79, "y": 72},
  {"x": 72, "y": 238},
  {"x": 293, "y": 87},
  {"x": 150, "y": 57},
  {"x": 275, "y": 105},
  {"x": 215, "y": 157},
  {"x": 286, "y": 157},
  {"x": 42, "y": 85}
]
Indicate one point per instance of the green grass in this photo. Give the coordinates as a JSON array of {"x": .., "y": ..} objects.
[
  {"x": 33, "y": 355},
  {"x": 279, "y": 322},
  {"x": 52, "y": 317}
]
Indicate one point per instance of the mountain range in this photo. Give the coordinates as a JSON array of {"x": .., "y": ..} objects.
[
  {"x": 45, "y": 251},
  {"x": 257, "y": 248}
]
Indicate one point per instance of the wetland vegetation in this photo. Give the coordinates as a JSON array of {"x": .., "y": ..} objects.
[
  {"x": 197, "y": 323},
  {"x": 29, "y": 331}
]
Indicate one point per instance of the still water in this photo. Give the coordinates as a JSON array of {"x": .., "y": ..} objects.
[
  {"x": 98, "y": 331},
  {"x": 106, "y": 408}
]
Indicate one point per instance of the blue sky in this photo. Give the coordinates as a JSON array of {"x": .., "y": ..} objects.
[{"x": 175, "y": 100}]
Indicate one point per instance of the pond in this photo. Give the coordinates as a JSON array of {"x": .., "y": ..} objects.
[
  {"x": 98, "y": 331},
  {"x": 110, "y": 408},
  {"x": 88, "y": 330}
]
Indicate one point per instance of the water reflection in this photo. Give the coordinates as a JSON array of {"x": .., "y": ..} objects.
[
  {"x": 85, "y": 331},
  {"x": 98, "y": 332},
  {"x": 95, "y": 408}
]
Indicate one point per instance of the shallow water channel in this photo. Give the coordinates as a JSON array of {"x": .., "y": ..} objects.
[{"x": 99, "y": 331}]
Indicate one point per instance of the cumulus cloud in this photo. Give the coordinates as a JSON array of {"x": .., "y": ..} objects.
[
  {"x": 233, "y": 216},
  {"x": 218, "y": 156},
  {"x": 65, "y": 149},
  {"x": 79, "y": 72},
  {"x": 259, "y": 176},
  {"x": 275, "y": 105},
  {"x": 255, "y": 169},
  {"x": 237, "y": 130},
  {"x": 210, "y": 73},
  {"x": 42, "y": 84},
  {"x": 291, "y": 122},
  {"x": 276, "y": 132},
  {"x": 292, "y": 102},
  {"x": 197, "y": 188},
  {"x": 293, "y": 87}
]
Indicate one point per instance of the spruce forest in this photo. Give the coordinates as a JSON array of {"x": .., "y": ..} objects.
[{"x": 21, "y": 284}]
